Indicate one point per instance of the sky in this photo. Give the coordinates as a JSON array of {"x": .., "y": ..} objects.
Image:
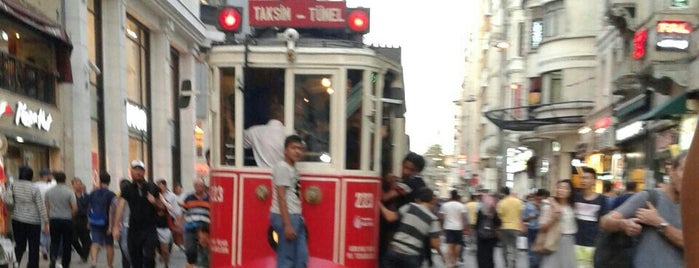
[{"x": 432, "y": 35}]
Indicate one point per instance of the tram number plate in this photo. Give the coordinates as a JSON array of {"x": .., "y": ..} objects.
[
  {"x": 364, "y": 200},
  {"x": 216, "y": 193}
]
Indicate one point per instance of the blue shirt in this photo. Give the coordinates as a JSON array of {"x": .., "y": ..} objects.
[{"x": 529, "y": 210}]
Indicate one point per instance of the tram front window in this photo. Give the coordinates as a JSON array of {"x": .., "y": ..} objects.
[{"x": 312, "y": 115}]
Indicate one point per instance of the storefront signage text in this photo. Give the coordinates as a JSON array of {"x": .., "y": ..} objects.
[
  {"x": 28, "y": 118},
  {"x": 673, "y": 35},
  {"x": 298, "y": 13},
  {"x": 136, "y": 117}
]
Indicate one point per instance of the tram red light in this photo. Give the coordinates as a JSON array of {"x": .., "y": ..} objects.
[
  {"x": 358, "y": 20},
  {"x": 230, "y": 19}
]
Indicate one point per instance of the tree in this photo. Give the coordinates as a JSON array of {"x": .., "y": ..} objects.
[{"x": 435, "y": 155}]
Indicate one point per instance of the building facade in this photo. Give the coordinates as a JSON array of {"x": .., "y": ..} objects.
[
  {"x": 126, "y": 98},
  {"x": 607, "y": 84}
]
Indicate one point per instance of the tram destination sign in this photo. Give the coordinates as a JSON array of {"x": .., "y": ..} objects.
[{"x": 297, "y": 13}]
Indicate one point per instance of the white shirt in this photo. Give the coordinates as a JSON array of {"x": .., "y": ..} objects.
[
  {"x": 287, "y": 176},
  {"x": 454, "y": 215},
  {"x": 44, "y": 186},
  {"x": 267, "y": 142}
]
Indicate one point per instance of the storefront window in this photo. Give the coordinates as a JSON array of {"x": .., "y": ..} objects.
[
  {"x": 92, "y": 33},
  {"x": 312, "y": 115},
  {"x": 27, "y": 61},
  {"x": 136, "y": 61},
  {"x": 175, "y": 146},
  {"x": 94, "y": 145},
  {"x": 36, "y": 157},
  {"x": 138, "y": 149}
]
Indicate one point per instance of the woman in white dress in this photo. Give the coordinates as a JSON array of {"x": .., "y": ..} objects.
[{"x": 560, "y": 210}]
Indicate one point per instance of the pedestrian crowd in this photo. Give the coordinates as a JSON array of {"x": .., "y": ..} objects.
[
  {"x": 566, "y": 228},
  {"x": 52, "y": 218}
]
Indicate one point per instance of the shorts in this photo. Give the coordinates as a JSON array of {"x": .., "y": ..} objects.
[
  {"x": 585, "y": 256},
  {"x": 164, "y": 235},
  {"x": 100, "y": 236},
  {"x": 454, "y": 236}
]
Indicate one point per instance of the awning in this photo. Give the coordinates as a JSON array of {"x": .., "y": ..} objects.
[
  {"x": 55, "y": 31},
  {"x": 35, "y": 20},
  {"x": 675, "y": 106}
]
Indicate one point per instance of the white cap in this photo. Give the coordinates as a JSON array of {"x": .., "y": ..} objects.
[{"x": 138, "y": 163}]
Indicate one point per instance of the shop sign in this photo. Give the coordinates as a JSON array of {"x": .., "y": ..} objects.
[
  {"x": 5, "y": 108},
  {"x": 297, "y": 13},
  {"x": 28, "y": 118},
  {"x": 136, "y": 117},
  {"x": 673, "y": 35},
  {"x": 629, "y": 131}
]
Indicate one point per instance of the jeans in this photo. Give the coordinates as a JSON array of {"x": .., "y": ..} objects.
[
  {"x": 508, "y": 238},
  {"x": 81, "y": 236},
  {"x": 533, "y": 256},
  {"x": 191, "y": 245},
  {"x": 23, "y": 233},
  {"x": 124, "y": 246},
  {"x": 142, "y": 243},
  {"x": 394, "y": 259},
  {"x": 61, "y": 236},
  {"x": 291, "y": 253}
]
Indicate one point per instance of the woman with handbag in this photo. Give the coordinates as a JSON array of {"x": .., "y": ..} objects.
[{"x": 557, "y": 229}]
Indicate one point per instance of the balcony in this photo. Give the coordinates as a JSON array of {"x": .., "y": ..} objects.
[
  {"x": 25, "y": 78},
  {"x": 528, "y": 118}
]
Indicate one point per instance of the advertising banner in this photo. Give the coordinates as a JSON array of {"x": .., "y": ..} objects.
[{"x": 362, "y": 224}]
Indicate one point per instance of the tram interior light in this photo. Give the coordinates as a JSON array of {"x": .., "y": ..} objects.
[{"x": 358, "y": 20}]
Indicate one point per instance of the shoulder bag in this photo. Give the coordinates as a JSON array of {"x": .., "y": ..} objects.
[{"x": 546, "y": 242}]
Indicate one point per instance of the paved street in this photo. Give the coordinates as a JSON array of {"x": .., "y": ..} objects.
[
  {"x": 177, "y": 260},
  {"x": 470, "y": 259}
]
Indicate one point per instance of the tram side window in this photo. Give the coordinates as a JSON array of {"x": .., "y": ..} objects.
[
  {"x": 312, "y": 115},
  {"x": 353, "y": 114},
  {"x": 264, "y": 116},
  {"x": 227, "y": 89}
]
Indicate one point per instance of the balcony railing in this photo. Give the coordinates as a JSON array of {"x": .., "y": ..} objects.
[
  {"x": 528, "y": 118},
  {"x": 28, "y": 79}
]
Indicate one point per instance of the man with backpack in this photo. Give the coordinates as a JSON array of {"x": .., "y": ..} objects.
[
  {"x": 654, "y": 217},
  {"x": 487, "y": 225},
  {"x": 98, "y": 211}
]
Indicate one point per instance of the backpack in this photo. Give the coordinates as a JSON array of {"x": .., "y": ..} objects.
[
  {"x": 98, "y": 212},
  {"x": 616, "y": 249},
  {"x": 486, "y": 227}
]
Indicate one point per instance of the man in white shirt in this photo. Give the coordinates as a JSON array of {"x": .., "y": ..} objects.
[
  {"x": 44, "y": 184},
  {"x": 454, "y": 222},
  {"x": 267, "y": 141}
]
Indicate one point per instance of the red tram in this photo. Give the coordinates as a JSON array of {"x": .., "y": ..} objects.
[{"x": 343, "y": 97}]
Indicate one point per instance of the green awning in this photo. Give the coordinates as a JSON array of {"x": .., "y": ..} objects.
[{"x": 675, "y": 106}]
